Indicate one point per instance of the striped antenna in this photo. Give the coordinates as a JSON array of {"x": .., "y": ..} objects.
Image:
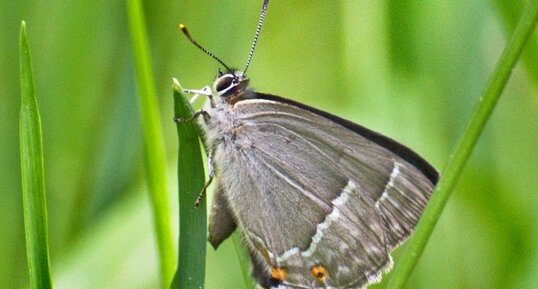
[
  {"x": 257, "y": 35},
  {"x": 183, "y": 29}
]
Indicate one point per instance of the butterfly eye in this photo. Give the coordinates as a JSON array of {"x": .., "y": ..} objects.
[{"x": 224, "y": 83}]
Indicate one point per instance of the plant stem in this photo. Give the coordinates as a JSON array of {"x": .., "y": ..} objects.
[{"x": 457, "y": 161}]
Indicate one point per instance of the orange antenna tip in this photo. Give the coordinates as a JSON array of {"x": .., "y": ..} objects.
[{"x": 183, "y": 29}]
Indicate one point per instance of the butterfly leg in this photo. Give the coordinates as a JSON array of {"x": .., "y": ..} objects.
[
  {"x": 201, "y": 112},
  {"x": 211, "y": 164},
  {"x": 197, "y": 93},
  {"x": 205, "y": 91}
]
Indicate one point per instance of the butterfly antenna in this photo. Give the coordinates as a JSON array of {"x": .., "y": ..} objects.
[
  {"x": 257, "y": 35},
  {"x": 183, "y": 29}
]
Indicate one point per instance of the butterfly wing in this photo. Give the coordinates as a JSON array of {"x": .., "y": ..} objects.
[
  {"x": 221, "y": 219},
  {"x": 320, "y": 204},
  {"x": 390, "y": 204}
]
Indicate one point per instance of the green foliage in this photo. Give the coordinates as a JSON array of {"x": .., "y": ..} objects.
[{"x": 413, "y": 71}]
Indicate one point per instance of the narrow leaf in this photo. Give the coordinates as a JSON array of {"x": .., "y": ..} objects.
[
  {"x": 509, "y": 10},
  {"x": 192, "y": 221},
  {"x": 33, "y": 175},
  {"x": 155, "y": 160}
]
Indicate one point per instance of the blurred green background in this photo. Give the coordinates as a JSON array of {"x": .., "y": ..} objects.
[{"x": 413, "y": 70}]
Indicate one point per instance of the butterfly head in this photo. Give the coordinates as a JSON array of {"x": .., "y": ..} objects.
[{"x": 230, "y": 85}]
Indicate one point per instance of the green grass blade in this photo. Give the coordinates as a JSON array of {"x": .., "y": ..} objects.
[
  {"x": 33, "y": 175},
  {"x": 192, "y": 221},
  {"x": 244, "y": 261},
  {"x": 454, "y": 167},
  {"x": 155, "y": 161},
  {"x": 509, "y": 10}
]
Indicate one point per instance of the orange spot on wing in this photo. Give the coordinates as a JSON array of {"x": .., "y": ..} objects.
[
  {"x": 279, "y": 274},
  {"x": 319, "y": 273}
]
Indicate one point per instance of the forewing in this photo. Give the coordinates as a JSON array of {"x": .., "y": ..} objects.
[{"x": 324, "y": 195}]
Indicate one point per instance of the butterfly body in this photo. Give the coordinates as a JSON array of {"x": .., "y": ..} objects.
[{"x": 320, "y": 201}]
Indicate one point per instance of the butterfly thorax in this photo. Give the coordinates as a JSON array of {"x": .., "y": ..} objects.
[{"x": 228, "y": 89}]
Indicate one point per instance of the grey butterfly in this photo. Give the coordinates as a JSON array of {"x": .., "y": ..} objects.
[{"x": 320, "y": 201}]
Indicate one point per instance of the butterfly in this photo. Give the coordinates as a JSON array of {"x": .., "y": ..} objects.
[{"x": 320, "y": 201}]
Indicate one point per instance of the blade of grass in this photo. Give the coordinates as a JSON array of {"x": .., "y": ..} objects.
[
  {"x": 244, "y": 261},
  {"x": 509, "y": 10},
  {"x": 457, "y": 161},
  {"x": 154, "y": 154},
  {"x": 33, "y": 174},
  {"x": 190, "y": 272}
]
